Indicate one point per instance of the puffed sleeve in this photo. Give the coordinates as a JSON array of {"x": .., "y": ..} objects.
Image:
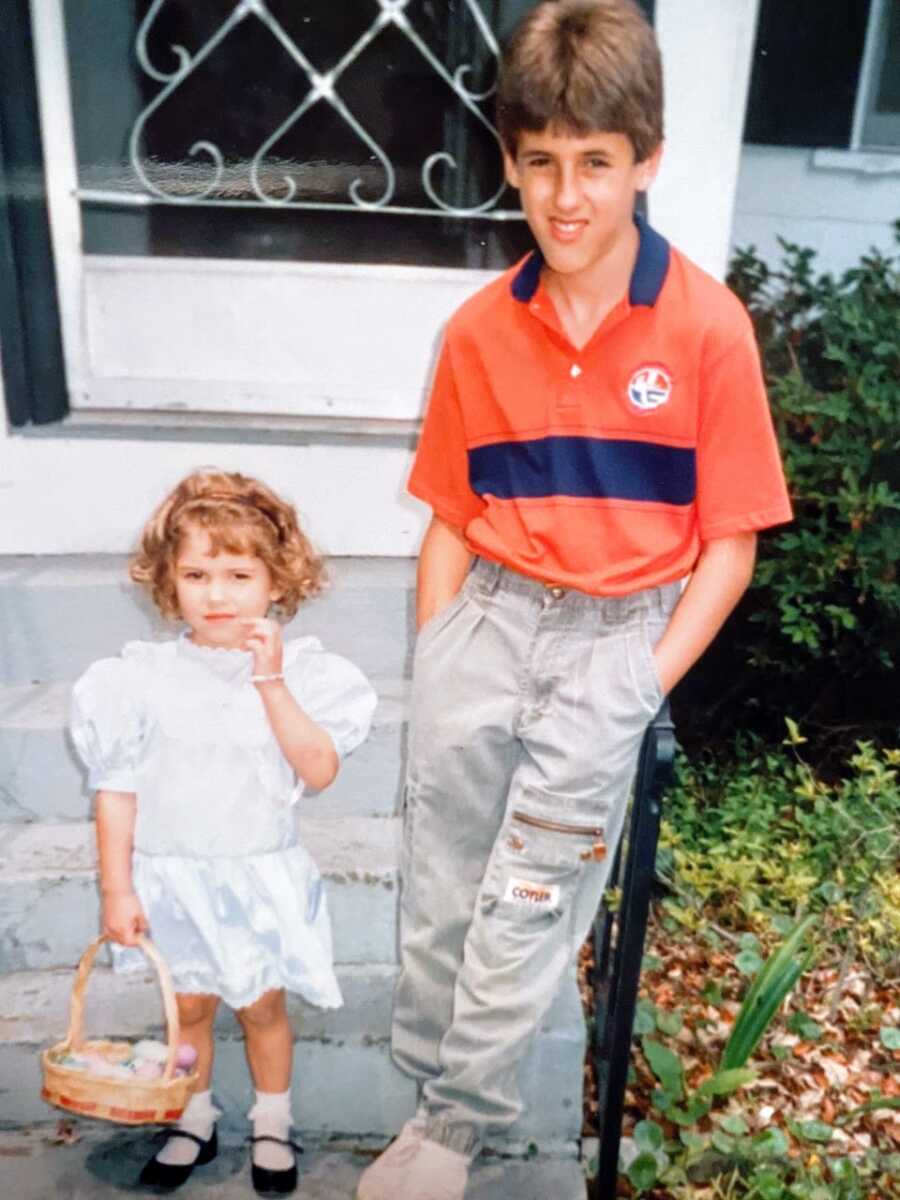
[
  {"x": 108, "y": 725},
  {"x": 332, "y": 691}
]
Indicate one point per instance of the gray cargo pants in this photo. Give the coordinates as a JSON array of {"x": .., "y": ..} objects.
[{"x": 529, "y": 706}]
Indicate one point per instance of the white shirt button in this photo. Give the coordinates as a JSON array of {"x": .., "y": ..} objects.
[{"x": 575, "y": 370}]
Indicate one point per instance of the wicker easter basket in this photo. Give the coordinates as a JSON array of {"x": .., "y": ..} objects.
[{"x": 125, "y": 1101}]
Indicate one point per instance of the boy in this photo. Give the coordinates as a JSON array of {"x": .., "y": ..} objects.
[{"x": 597, "y": 433}]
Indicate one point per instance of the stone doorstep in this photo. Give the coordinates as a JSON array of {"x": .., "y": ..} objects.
[
  {"x": 366, "y": 615},
  {"x": 357, "y": 1090},
  {"x": 105, "y": 1161},
  {"x": 49, "y": 907},
  {"x": 346, "y": 848},
  {"x": 34, "y": 1007},
  {"x": 41, "y": 779}
]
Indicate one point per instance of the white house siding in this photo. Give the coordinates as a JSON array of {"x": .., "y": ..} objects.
[{"x": 840, "y": 213}]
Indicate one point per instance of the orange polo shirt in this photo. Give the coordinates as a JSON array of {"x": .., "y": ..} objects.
[{"x": 602, "y": 469}]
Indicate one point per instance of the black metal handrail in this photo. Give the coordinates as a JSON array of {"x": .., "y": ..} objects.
[{"x": 619, "y": 945}]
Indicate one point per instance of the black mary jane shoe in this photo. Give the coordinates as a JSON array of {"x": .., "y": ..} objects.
[
  {"x": 274, "y": 1183},
  {"x": 168, "y": 1176}
]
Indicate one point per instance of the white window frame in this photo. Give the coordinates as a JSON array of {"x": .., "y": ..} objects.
[{"x": 869, "y": 79}]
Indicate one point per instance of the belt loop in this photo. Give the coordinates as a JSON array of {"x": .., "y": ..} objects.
[{"x": 486, "y": 575}]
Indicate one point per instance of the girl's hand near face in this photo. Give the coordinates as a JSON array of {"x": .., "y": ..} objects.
[
  {"x": 262, "y": 637},
  {"x": 306, "y": 745}
]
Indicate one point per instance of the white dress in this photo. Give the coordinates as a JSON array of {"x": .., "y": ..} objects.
[{"x": 234, "y": 901}]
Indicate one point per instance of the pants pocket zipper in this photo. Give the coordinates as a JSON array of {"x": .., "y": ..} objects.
[{"x": 597, "y": 851}]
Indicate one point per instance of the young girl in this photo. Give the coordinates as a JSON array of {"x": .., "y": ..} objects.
[{"x": 199, "y": 748}]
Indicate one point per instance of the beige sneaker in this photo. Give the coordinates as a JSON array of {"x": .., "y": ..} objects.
[
  {"x": 434, "y": 1172},
  {"x": 380, "y": 1181}
]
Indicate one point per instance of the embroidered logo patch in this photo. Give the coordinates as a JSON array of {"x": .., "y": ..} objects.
[
  {"x": 531, "y": 895},
  {"x": 649, "y": 387}
]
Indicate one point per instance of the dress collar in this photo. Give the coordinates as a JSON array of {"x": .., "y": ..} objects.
[{"x": 230, "y": 665}]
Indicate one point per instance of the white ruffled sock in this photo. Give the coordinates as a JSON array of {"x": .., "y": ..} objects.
[
  {"x": 271, "y": 1117},
  {"x": 198, "y": 1118}
]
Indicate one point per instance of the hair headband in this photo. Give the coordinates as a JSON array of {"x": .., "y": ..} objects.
[{"x": 230, "y": 498}]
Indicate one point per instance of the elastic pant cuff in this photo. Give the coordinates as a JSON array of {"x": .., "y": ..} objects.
[{"x": 462, "y": 1138}]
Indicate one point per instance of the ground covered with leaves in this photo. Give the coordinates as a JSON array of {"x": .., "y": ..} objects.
[{"x": 754, "y": 854}]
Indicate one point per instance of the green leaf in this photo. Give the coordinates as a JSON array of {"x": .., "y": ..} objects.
[
  {"x": 735, "y": 1123},
  {"x": 643, "y": 1172},
  {"x": 693, "y": 1141},
  {"x": 668, "y": 1022},
  {"x": 644, "y": 1018},
  {"x": 648, "y": 1136},
  {"x": 877, "y": 1101},
  {"x": 748, "y": 962},
  {"x": 804, "y": 1027},
  {"x": 794, "y": 737},
  {"x": 665, "y": 1065},
  {"x": 768, "y": 1185},
  {"x": 769, "y": 1143},
  {"x": 765, "y": 995},
  {"x": 723, "y": 1141},
  {"x": 691, "y": 1113},
  {"x": 723, "y": 1083},
  {"x": 831, "y": 892},
  {"x": 812, "y": 1131},
  {"x": 890, "y": 1037},
  {"x": 712, "y": 992}
]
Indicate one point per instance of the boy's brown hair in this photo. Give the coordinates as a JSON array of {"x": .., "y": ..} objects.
[
  {"x": 582, "y": 67},
  {"x": 241, "y": 516}
]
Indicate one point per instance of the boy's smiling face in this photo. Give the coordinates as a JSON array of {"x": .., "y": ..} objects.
[{"x": 578, "y": 195}]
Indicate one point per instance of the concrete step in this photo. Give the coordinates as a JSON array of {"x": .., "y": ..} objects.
[
  {"x": 104, "y": 1163},
  {"x": 60, "y": 613},
  {"x": 41, "y": 778},
  {"x": 349, "y": 1048},
  {"x": 49, "y": 909}
]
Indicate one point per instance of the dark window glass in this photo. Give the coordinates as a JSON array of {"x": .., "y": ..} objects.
[
  {"x": 805, "y": 73},
  {"x": 881, "y": 126}
]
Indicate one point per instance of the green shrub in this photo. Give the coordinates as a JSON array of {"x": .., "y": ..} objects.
[
  {"x": 820, "y": 627},
  {"x": 755, "y": 843}
]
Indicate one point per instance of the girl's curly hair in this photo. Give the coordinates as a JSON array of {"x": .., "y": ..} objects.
[{"x": 241, "y": 516}]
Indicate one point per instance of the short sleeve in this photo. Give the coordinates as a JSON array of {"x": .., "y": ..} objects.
[
  {"x": 740, "y": 481},
  {"x": 108, "y": 725},
  {"x": 332, "y": 691},
  {"x": 440, "y": 473}
]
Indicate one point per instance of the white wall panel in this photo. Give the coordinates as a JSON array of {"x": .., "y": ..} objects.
[
  {"x": 840, "y": 213},
  {"x": 707, "y": 48},
  {"x": 228, "y": 336},
  {"x": 61, "y": 495}
]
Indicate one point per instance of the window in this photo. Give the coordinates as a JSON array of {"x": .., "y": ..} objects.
[
  {"x": 805, "y": 73},
  {"x": 877, "y": 123},
  {"x": 352, "y": 132}
]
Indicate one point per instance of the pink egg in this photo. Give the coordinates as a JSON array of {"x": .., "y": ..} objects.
[{"x": 185, "y": 1056}]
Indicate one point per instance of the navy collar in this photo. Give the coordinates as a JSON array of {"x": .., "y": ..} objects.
[{"x": 647, "y": 278}]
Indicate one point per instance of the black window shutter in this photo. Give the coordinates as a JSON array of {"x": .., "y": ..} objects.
[
  {"x": 33, "y": 370},
  {"x": 806, "y": 65}
]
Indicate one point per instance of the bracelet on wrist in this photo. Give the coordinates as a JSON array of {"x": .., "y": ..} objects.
[{"x": 267, "y": 678}]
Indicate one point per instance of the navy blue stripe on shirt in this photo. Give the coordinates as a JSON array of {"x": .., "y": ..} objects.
[{"x": 590, "y": 467}]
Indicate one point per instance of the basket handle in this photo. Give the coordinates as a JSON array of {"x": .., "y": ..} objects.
[{"x": 75, "y": 1037}]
